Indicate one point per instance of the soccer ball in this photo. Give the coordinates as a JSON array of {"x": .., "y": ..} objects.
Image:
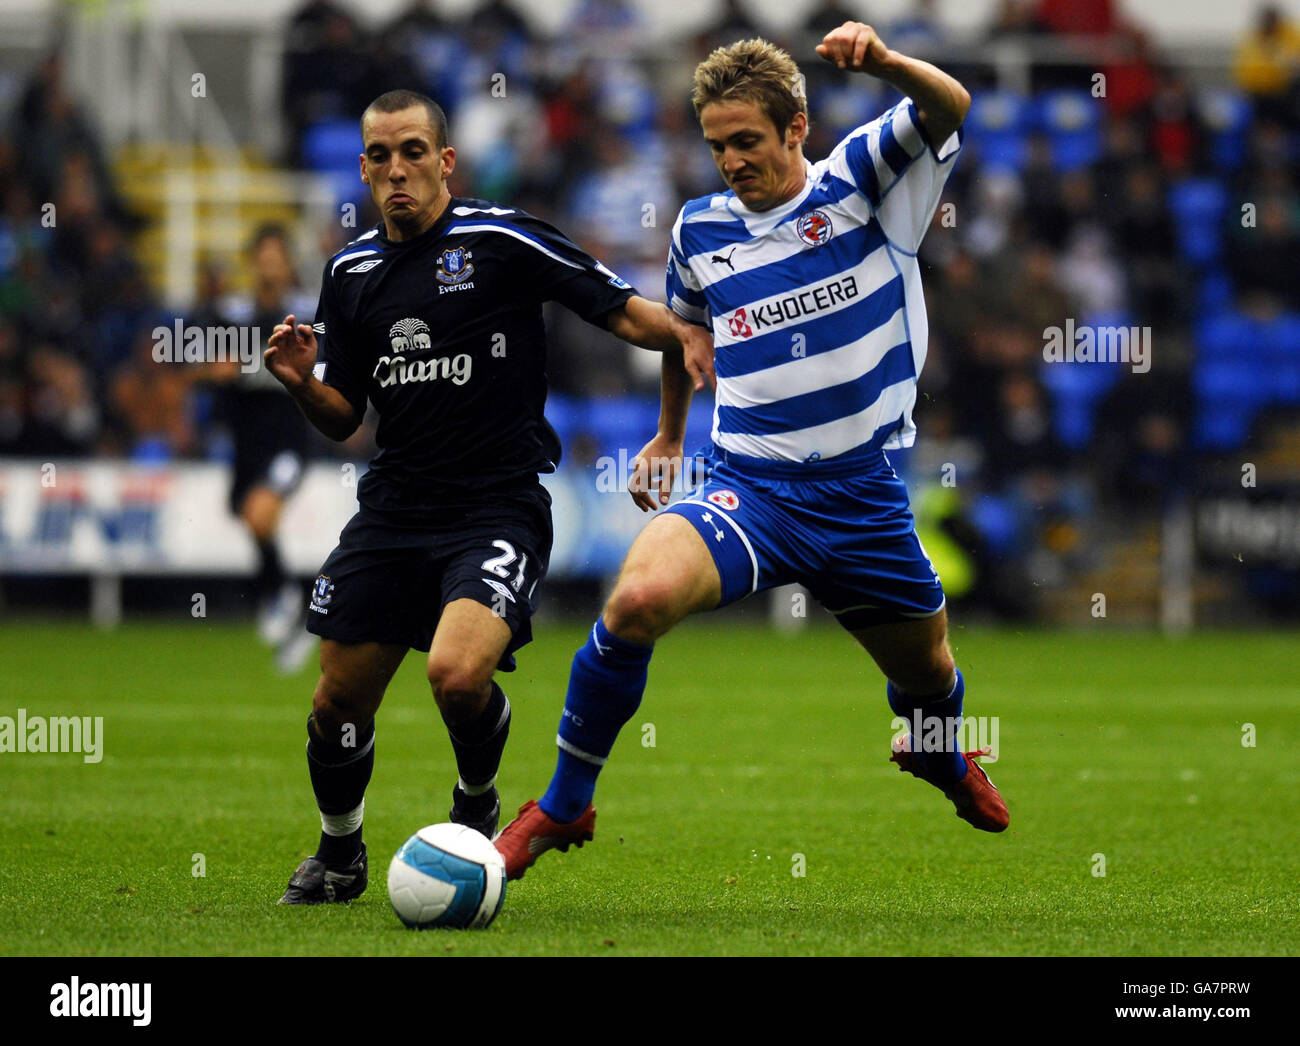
[{"x": 447, "y": 875}]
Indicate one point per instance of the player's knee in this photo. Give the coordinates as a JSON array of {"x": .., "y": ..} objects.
[
  {"x": 335, "y": 704},
  {"x": 641, "y": 611},
  {"x": 458, "y": 688},
  {"x": 933, "y": 674}
]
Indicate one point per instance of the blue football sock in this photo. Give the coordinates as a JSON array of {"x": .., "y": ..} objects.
[
  {"x": 605, "y": 687},
  {"x": 947, "y": 765}
]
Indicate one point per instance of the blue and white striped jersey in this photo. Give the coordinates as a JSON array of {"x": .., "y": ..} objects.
[{"x": 816, "y": 307}]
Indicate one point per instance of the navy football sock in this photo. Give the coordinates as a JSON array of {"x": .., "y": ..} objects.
[
  {"x": 947, "y": 765},
  {"x": 340, "y": 771},
  {"x": 270, "y": 571},
  {"x": 605, "y": 687},
  {"x": 478, "y": 744}
]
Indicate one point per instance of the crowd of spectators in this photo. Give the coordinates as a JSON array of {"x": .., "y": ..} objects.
[{"x": 590, "y": 127}]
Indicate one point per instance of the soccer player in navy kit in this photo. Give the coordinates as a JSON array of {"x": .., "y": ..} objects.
[
  {"x": 806, "y": 275},
  {"x": 435, "y": 317}
]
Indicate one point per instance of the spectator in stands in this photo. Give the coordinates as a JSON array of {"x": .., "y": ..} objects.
[
  {"x": 63, "y": 417},
  {"x": 1142, "y": 231},
  {"x": 918, "y": 31},
  {"x": 328, "y": 70},
  {"x": 606, "y": 28},
  {"x": 831, "y": 14},
  {"x": 1267, "y": 67},
  {"x": 733, "y": 23},
  {"x": 152, "y": 406},
  {"x": 430, "y": 46},
  {"x": 1178, "y": 132},
  {"x": 52, "y": 130},
  {"x": 1262, "y": 259}
]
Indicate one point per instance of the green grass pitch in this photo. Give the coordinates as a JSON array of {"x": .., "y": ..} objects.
[{"x": 766, "y": 746}]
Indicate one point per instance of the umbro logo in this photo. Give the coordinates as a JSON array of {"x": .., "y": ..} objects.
[
  {"x": 498, "y": 588},
  {"x": 366, "y": 265},
  {"x": 726, "y": 258}
]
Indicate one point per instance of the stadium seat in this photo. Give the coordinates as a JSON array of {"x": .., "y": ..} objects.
[
  {"x": 1198, "y": 206},
  {"x": 625, "y": 422},
  {"x": 1072, "y": 121},
  {"x": 1077, "y": 388},
  {"x": 1228, "y": 114},
  {"x": 1227, "y": 335},
  {"x": 1217, "y": 293},
  {"x": 331, "y": 145},
  {"x": 1220, "y": 430},
  {"x": 567, "y": 415},
  {"x": 1280, "y": 339},
  {"x": 330, "y": 148},
  {"x": 999, "y": 125},
  {"x": 1285, "y": 380}
]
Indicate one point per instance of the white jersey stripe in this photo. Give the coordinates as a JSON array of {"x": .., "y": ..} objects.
[{"x": 801, "y": 376}]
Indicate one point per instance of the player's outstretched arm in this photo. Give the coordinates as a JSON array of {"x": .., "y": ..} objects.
[
  {"x": 941, "y": 101},
  {"x": 290, "y": 358},
  {"x": 687, "y": 362},
  {"x": 653, "y": 325},
  {"x": 660, "y": 460}
]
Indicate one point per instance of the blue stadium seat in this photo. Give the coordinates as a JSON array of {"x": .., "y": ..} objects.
[
  {"x": 331, "y": 145},
  {"x": 1232, "y": 383},
  {"x": 1280, "y": 339},
  {"x": 998, "y": 126},
  {"x": 1198, "y": 206},
  {"x": 1217, "y": 293},
  {"x": 1223, "y": 429},
  {"x": 699, "y": 422},
  {"x": 568, "y": 416},
  {"x": 1228, "y": 114},
  {"x": 330, "y": 148},
  {"x": 1227, "y": 335},
  {"x": 1285, "y": 380},
  {"x": 622, "y": 422},
  {"x": 1072, "y": 121},
  {"x": 1077, "y": 388}
]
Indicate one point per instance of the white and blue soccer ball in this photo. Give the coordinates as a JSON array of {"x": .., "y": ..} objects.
[{"x": 447, "y": 875}]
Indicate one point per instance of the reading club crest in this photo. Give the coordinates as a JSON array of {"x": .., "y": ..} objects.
[
  {"x": 814, "y": 228},
  {"x": 455, "y": 266}
]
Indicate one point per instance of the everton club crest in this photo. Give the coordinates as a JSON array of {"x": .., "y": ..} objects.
[{"x": 455, "y": 266}]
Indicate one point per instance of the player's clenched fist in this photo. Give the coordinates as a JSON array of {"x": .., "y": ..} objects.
[
  {"x": 855, "y": 45},
  {"x": 292, "y": 352}
]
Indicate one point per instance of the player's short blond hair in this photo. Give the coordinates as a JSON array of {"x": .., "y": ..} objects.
[{"x": 752, "y": 71}]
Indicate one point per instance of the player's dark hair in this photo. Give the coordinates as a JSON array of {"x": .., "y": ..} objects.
[{"x": 396, "y": 101}]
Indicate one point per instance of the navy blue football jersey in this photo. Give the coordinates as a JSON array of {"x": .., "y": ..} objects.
[{"x": 443, "y": 333}]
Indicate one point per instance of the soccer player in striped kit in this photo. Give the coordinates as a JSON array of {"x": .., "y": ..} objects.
[{"x": 806, "y": 275}]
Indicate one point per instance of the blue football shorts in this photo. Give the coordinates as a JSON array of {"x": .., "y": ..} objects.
[{"x": 844, "y": 530}]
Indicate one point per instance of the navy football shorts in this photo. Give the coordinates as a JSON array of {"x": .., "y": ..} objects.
[
  {"x": 388, "y": 583},
  {"x": 844, "y": 530}
]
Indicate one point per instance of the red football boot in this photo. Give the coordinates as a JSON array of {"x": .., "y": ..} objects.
[
  {"x": 532, "y": 833},
  {"x": 976, "y": 798}
]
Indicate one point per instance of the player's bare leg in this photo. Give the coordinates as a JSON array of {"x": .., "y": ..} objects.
[
  {"x": 923, "y": 680},
  {"x": 467, "y": 646},
  {"x": 668, "y": 574},
  {"x": 340, "y": 759}
]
